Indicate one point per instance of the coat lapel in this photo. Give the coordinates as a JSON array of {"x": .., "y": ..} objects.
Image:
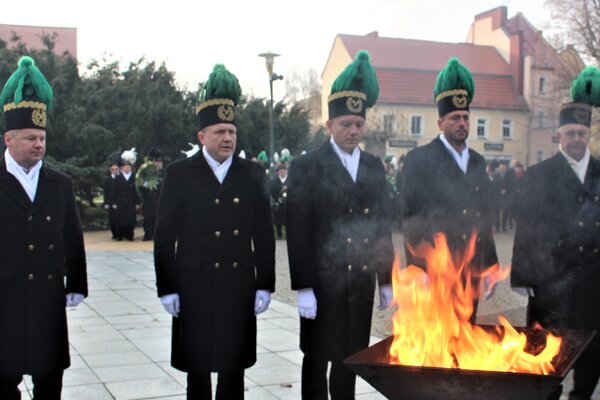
[
  {"x": 45, "y": 189},
  {"x": 232, "y": 175},
  {"x": 203, "y": 172},
  {"x": 333, "y": 170},
  {"x": 10, "y": 185}
]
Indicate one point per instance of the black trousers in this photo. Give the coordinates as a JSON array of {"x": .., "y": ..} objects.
[
  {"x": 45, "y": 387},
  {"x": 585, "y": 377},
  {"x": 149, "y": 223},
  {"x": 125, "y": 232},
  {"x": 314, "y": 380},
  {"x": 230, "y": 386}
]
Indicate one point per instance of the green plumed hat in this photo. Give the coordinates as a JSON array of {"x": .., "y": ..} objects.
[
  {"x": 454, "y": 88},
  {"x": 26, "y": 97},
  {"x": 585, "y": 92},
  {"x": 262, "y": 156},
  {"x": 220, "y": 94},
  {"x": 355, "y": 89}
]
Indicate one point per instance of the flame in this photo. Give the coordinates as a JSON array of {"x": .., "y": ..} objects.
[{"x": 432, "y": 324}]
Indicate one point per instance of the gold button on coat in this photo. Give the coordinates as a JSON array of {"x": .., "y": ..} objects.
[
  {"x": 364, "y": 267},
  {"x": 366, "y": 210},
  {"x": 366, "y": 241},
  {"x": 349, "y": 267},
  {"x": 464, "y": 237},
  {"x": 349, "y": 240},
  {"x": 51, "y": 247},
  {"x": 48, "y": 218},
  {"x": 49, "y": 276},
  {"x": 581, "y": 249},
  {"x": 580, "y": 223},
  {"x": 236, "y": 200},
  {"x": 31, "y": 247},
  {"x": 235, "y": 264},
  {"x": 29, "y": 218},
  {"x": 30, "y": 276},
  {"x": 217, "y": 234},
  {"x": 217, "y": 201},
  {"x": 464, "y": 212},
  {"x": 217, "y": 265},
  {"x": 236, "y": 232}
]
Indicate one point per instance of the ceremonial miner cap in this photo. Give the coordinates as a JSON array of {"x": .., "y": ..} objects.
[
  {"x": 220, "y": 94},
  {"x": 262, "y": 156},
  {"x": 585, "y": 92},
  {"x": 129, "y": 157},
  {"x": 26, "y": 97},
  {"x": 454, "y": 88},
  {"x": 355, "y": 89}
]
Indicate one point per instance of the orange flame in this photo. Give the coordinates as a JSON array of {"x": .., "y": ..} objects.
[{"x": 432, "y": 324}]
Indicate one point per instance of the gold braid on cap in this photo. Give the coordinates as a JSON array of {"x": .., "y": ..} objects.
[
  {"x": 576, "y": 105},
  {"x": 449, "y": 93},
  {"x": 346, "y": 93},
  {"x": 214, "y": 102},
  {"x": 25, "y": 104}
]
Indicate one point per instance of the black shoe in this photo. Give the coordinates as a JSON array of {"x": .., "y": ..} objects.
[
  {"x": 146, "y": 238},
  {"x": 119, "y": 239},
  {"x": 130, "y": 239}
]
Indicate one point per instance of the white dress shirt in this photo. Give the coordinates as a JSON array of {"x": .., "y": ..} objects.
[
  {"x": 579, "y": 167},
  {"x": 220, "y": 170},
  {"x": 28, "y": 178},
  {"x": 349, "y": 161},
  {"x": 126, "y": 175},
  {"x": 462, "y": 159}
]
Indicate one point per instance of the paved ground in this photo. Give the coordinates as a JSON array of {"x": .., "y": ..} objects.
[{"x": 120, "y": 335}]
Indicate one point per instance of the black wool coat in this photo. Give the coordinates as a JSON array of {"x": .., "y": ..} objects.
[
  {"x": 438, "y": 197},
  {"x": 41, "y": 244},
  {"x": 339, "y": 243},
  {"x": 214, "y": 246},
  {"x": 557, "y": 245},
  {"x": 278, "y": 192},
  {"x": 125, "y": 197}
]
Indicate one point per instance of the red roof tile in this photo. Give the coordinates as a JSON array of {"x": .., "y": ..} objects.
[
  {"x": 31, "y": 37},
  {"x": 407, "y": 70},
  {"x": 426, "y": 55}
]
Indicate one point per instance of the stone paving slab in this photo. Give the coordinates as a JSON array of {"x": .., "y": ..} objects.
[{"x": 120, "y": 335}]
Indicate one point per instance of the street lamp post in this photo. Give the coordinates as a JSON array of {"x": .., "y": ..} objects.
[{"x": 269, "y": 61}]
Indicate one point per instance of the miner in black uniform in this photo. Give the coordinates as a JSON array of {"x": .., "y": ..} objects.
[
  {"x": 109, "y": 188},
  {"x": 556, "y": 254},
  {"x": 126, "y": 200},
  {"x": 148, "y": 179},
  {"x": 339, "y": 237},
  {"x": 278, "y": 190},
  {"x": 445, "y": 188},
  {"x": 41, "y": 244},
  {"x": 214, "y": 249}
]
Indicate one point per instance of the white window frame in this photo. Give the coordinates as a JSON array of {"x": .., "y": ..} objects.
[
  {"x": 486, "y": 128},
  {"x": 422, "y": 123},
  {"x": 510, "y": 128},
  {"x": 393, "y": 125}
]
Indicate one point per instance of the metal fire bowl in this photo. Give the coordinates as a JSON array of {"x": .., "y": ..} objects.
[{"x": 400, "y": 382}]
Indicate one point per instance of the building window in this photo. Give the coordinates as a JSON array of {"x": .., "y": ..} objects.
[
  {"x": 507, "y": 129},
  {"x": 482, "y": 128},
  {"x": 542, "y": 85},
  {"x": 539, "y": 156},
  {"x": 541, "y": 120},
  {"x": 416, "y": 125},
  {"x": 389, "y": 124}
]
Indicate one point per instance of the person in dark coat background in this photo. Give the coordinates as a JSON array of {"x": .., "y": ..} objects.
[
  {"x": 41, "y": 244},
  {"x": 148, "y": 179},
  {"x": 109, "y": 188},
  {"x": 339, "y": 238},
  {"x": 278, "y": 190},
  {"x": 214, "y": 249},
  {"x": 504, "y": 182},
  {"x": 126, "y": 200},
  {"x": 445, "y": 185},
  {"x": 556, "y": 256}
]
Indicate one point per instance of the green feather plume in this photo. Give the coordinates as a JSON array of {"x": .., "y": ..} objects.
[
  {"x": 262, "y": 156},
  {"x": 221, "y": 84},
  {"x": 26, "y": 83},
  {"x": 360, "y": 76},
  {"x": 454, "y": 76},
  {"x": 586, "y": 87}
]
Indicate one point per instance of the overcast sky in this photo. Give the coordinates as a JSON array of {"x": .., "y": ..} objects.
[{"x": 192, "y": 36}]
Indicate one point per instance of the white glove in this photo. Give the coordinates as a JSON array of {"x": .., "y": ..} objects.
[
  {"x": 386, "y": 295},
  {"x": 523, "y": 291},
  {"x": 106, "y": 206},
  {"x": 114, "y": 206},
  {"x": 171, "y": 303},
  {"x": 73, "y": 299},
  {"x": 261, "y": 302},
  {"x": 307, "y": 303}
]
